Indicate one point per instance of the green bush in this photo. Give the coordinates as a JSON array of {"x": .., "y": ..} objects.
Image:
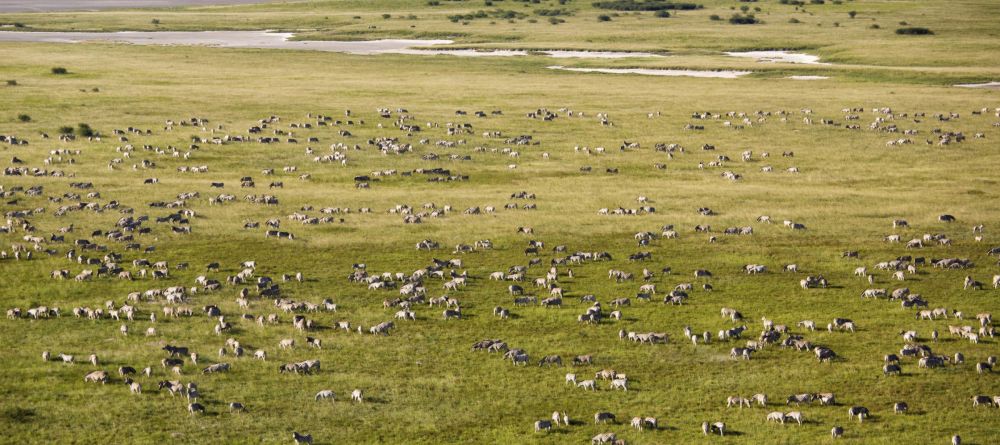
[
  {"x": 649, "y": 5},
  {"x": 19, "y": 415},
  {"x": 59, "y": 70},
  {"x": 84, "y": 130},
  {"x": 793, "y": 20},
  {"x": 66, "y": 129},
  {"x": 386, "y": 16},
  {"x": 714, "y": 17},
  {"x": 852, "y": 13},
  {"x": 738, "y": 19},
  {"x": 24, "y": 117},
  {"x": 914, "y": 30},
  {"x": 662, "y": 14},
  {"x": 12, "y": 83},
  {"x": 603, "y": 18}
]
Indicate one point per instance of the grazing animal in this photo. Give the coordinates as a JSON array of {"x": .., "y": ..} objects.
[
  {"x": 836, "y": 432},
  {"x": 196, "y": 408},
  {"x": 302, "y": 438},
  {"x": 603, "y": 417}
]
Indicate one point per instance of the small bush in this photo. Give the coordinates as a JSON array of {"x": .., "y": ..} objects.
[
  {"x": 19, "y": 415},
  {"x": 793, "y": 20},
  {"x": 817, "y": 2},
  {"x": 744, "y": 8},
  {"x": 662, "y": 14},
  {"x": 24, "y": 117},
  {"x": 65, "y": 129},
  {"x": 556, "y": 20},
  {"x": 84, "y": 130},
  {"x": 649, "y": 5},
  {"x": 738, "y": 19},
  {"x": 59, "y": 70},
  {"x": 18, "y": 25},
  {"x": 386, "y": 16},
  {"x": 12, "y": 83},
  {"x": 155, "y": 21},
  {"x": 852, "y": 13},
  {"x": 874, "y": 26},
  {"x": 714, "y": 17},
  {"x": 433, "y": 3},
  {"x": 914, "y": 31},
  {"x": 603, "y": 18}
]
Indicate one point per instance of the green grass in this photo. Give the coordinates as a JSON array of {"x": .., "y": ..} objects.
[{"x": 424, "y": 384}]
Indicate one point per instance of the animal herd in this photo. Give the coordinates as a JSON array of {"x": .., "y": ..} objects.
[{"x": 523, "y": 275}]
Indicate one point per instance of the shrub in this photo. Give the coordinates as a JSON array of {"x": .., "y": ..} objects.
[
  {"x": 744, "y": 8},
  {"x": 649, "y": 5},
  {"x": 552, "y": 12},
  {"x": 386, "y": 16},
  {"x": 19, "y": 415},
  {"x": 65, "y": 129},
  {"x": 12, "y": 83},
  {"x": 793, "y": 20},
  {"x": 84, "y": 130},
  {"x": 556, "y": 20},
  {"x": 714, "y": 17},
  {"x": 24, "y": 117},
  {"x": 433, "y": 3},
  {"x": 852, "y": 13},
  {"x": 915, "y": 30},
  {"x": 603, "y": 18},
  {"x": 875, "y": 26},
  {"x": 155, "y": 21},
  {"x": 738, "y": 19},
  {"x": 59, "y": 70},
  {"x": 662, "y": 14},
  {"x": 817, "y": 2}
]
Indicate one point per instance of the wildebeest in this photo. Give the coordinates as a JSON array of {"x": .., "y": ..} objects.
[
  {"x": 858, "y": 411},
  {"x": 302, "y": 438},
  {"x": 603, "y": 417}
]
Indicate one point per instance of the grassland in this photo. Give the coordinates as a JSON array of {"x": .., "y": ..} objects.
[{"x": 423, "y": 383}]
